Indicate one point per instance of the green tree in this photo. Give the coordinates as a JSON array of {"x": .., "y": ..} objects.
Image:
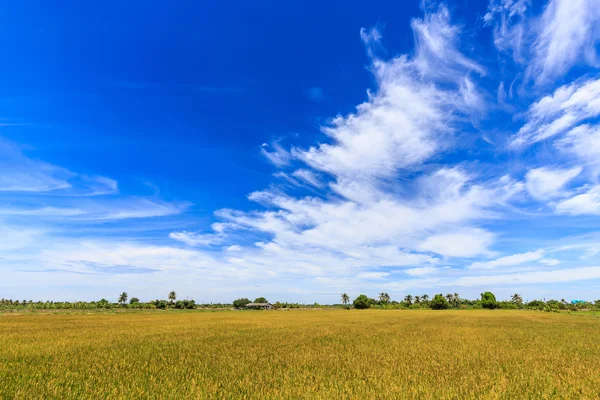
[
  {"x": 384, "y": 298},
  {"x": 439, "y": 302},
  {"x": 345, "y": 298},
  {"x": 361, "y": 302},
  {"x": 123, "y": 298},
  {"x": 260, "y": 300},
  {"x": 488, "y": 300},
  {"x": 408, "y": 299},
  {"x": 172, "y": 296},
  {"x": 456, "y": 299},
  {"x": 241, "y": 303},
  {"x": 425, "y": 297},
  {"x": 516, "y": 298},
  {"x": 417, "y": 299},
  {"x": 134, "y": 300}
]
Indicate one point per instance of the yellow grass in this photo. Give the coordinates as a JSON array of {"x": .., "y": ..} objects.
[{"x": 335, "y": 354}]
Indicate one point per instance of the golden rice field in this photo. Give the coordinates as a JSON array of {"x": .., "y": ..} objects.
[{"x": 333, "y": 354}]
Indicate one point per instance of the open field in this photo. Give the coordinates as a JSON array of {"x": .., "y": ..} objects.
[{"x": 300, "y": 354}]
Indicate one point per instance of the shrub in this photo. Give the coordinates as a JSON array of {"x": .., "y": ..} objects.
[
  {"x": 361, "y": 302},
  {"x": 160, "y": 304},
  {"x": 241, "y": 303},
  {"x": 488, "y": 300},
  {"x": 438, "y": 302},
  {"x": 134, "y": 300},
  {"x": 536, "y": 305},
  {"x": 508, "y": 305}
]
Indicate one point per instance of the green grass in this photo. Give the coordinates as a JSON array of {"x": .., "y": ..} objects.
[{"x": 330, "y": 354}]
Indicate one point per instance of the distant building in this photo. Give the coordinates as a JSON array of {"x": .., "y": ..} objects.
[
  {"x": 577, "y": 301},
  {"x": 260, "y": 306}
]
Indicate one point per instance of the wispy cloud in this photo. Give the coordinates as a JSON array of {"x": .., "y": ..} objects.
[
  {"x": 568, "y": 33},
  {"x": 557, "y": 113}
]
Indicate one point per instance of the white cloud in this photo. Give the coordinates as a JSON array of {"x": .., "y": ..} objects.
[
  {"x": 308, "y": 176},
  {"x": 436, "y": 47},
  {"x": 549, "y": 261},
  {"x": 546, "y": 183},
  {"x": 568, "y": 33},
  {"x": 206, "y": 239},
  {"x": 464, "y": 243},
  {"x": 533, "y": 277},
  {"x": 583, "y": 142},
  {"x": 421, "y": 271},
  {"x": 557, "y": 113},
  {"x": 409, "y": 119},
  {"x": 509, "y": 261},
  {"x": 587, "y": 203},
  {"x": 279, "y": 156},
  {"x": 372, "y": 275},
  {"x": 22, "y": 174},
  {"x": 510, "y": 28},
  {"x": 17, "y": 237}
]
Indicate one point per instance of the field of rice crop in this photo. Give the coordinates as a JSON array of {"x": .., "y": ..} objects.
[{"x": 329, "y": 354}]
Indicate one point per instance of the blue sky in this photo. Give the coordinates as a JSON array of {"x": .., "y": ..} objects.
[{"x": 298, "y": 150}]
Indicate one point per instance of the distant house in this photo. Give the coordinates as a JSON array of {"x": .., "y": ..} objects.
[
  {"x": 259, "y": 306},
  {"x": 577, "y": 301}
]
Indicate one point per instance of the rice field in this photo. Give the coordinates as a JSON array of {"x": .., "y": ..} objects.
[{"x": 329, "y": 354}]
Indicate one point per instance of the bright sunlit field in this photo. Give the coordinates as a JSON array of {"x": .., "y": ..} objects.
[{"x": 328, "y": 354}]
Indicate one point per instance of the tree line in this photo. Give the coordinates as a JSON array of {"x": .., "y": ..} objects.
[
  {"x": 383, "y": 301},
  {"x": 453, "y": 300}
]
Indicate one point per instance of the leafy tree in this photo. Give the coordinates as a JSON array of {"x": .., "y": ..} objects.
[
  {"x": 134, "y": 300},
  {"x": 345, "y": 298},
  {"x": 160, "y": 304},
  {"x": 488, "y": 300},
  {"x": 449, "y": 297},
  {"x": 417, "y": 299},
  {"x": 361, "y": 302},
  {"x": 408, "y": 299},
  {"x": 439, "y": 302},
  {"x": 260, "y": 300},
  {"x": 425, "y": 298},
  {"x": 241, "y": 303},
  {"x": 185, "y": 304},
  {"x": 123, "y": 298},
  {"x": 172, "y": 296}
]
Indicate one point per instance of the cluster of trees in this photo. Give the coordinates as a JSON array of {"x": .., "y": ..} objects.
[
  {"x": 123, "y": 301},
  {"x": 242, "y": 302},
  {"x": 453, "y": 300}
]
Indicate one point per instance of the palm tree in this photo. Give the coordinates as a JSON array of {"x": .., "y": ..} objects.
[
  {"x": 417, "y": 299},
  {"x": 456, "y": 298},
  {"x": 516, "y": 298},
  {"x": 384, "y": 297},
  {"x": 449, "y": 297},
  {"x": 123, "y": 298},
  {"x": 345, "y": 298},
  {"x": 408, "y": 299},
  {"x": 172, "y": 296},
  {"x": 425, "y": 297}
]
